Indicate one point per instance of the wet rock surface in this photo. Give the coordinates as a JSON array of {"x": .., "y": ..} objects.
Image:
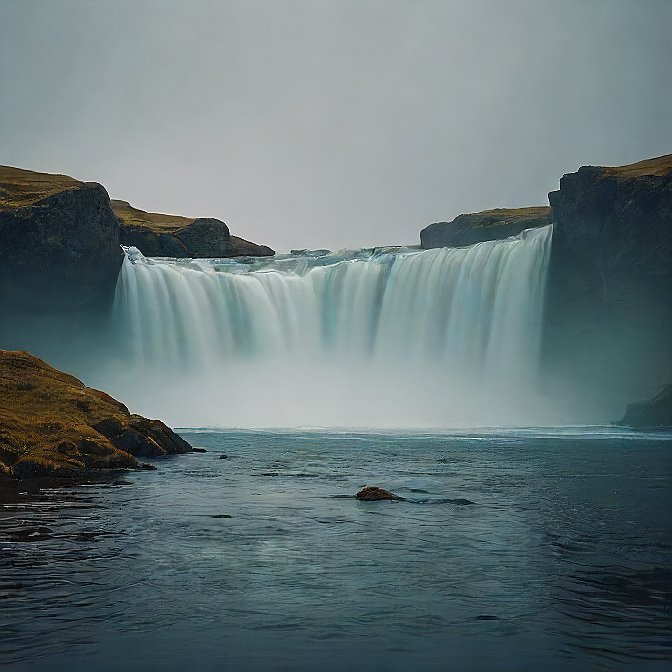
[{"x": 372, "y": 493}]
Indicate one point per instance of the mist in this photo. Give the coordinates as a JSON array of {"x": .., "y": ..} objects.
[{"x": 332, "y": 124}]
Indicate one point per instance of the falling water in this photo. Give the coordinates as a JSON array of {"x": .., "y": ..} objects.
[{"x": 375, "y": 338}]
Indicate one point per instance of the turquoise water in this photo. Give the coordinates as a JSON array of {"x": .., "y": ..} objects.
[{"x": 264, "y": 560}]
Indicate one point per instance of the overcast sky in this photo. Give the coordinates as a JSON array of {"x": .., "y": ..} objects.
[{"x": 332, "y": 123}]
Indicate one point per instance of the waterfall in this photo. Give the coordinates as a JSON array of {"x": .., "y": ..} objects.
[{"x": 370, "y": 338}]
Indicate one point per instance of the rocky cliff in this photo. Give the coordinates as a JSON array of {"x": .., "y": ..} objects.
[
  {"x": 652, "y": 413},
  {"x": 608, "y": 319},
  {"x": 609, "y": 300},
  {"x": 480, "y": 226},
  {"x": 161, "y": 235},
  {"x": 52, "y": 425},
  {"x": 59, "y": 242}
]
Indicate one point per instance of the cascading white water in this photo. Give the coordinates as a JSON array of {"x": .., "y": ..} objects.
[{"x": 391, "y": 338}]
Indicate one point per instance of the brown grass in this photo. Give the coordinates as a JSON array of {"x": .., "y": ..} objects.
[
  {"x": 46, "y": 417},
  {"x": 658, "y": 166},
  {"x": 155, "y": 221},
  {"x": 20, "y": 188}
]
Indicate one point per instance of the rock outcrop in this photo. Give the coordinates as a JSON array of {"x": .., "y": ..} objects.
[
  {"x": 608, "y": 309},
  {"x": 161, "y": 235},
  {"x": 477, "y": 227},
  {"x": 652, "y": 413},
  {"x": 372, "y": 493},
  {"x": 52, "y": 425},
  {"x": 609, "y": 298},
  {"x": 59, "y": 242}
]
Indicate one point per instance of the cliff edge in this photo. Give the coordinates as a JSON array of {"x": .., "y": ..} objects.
[
  {"x": 161, "y": 235},
  {"x": 478, "y": 227},
  {"x": 59, "y": 242},
  {"x": 52, "y": 425},
  {"x": 609, "y": 299}
]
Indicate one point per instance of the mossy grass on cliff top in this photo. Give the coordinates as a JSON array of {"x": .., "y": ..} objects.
[
  {"x": 51, "y": 424},
  {"x": 20, "y": 188},
  {"x": 155, "y": 221},
  {"x": 502, "y": 216},
  {"x": 658, "y": 166}
]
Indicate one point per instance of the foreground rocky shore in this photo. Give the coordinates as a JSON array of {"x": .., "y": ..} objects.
[{"x": 54, "y": 426}]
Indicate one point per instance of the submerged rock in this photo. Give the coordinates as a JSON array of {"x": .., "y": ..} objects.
[
  {"x": 372, "y": 493},
  {"x": 52, "y": 425},
  {"x": 655, "y": 412}
]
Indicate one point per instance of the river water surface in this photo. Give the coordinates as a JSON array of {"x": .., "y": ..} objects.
[{"x": 266, "y": 561}]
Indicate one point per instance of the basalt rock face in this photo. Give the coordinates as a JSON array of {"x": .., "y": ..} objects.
[
  {"x": 478, "y": 227},
  {"x": 609, "y": 300},
  {"x": 59, "y": 243},
  {"x": 652, "y": 413},
  {"x": 52, "y": 425},
  {"x": 161, "y": 235}
]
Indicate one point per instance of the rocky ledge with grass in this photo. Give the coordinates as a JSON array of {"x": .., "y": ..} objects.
[
  {"x": 54, "y": 426},
  {"x": 60, "y": 242},
  {"x": 161, "y": 235},
  {"x": 478, "y": 227}
]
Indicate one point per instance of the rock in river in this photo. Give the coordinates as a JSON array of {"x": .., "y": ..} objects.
[{"x": 372, "y": 493}]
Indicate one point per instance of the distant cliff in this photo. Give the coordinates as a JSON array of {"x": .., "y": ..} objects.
[
  {"x": 480, "y": 226},
  {"x": 60, "y": 241},
  {"x": 652, "y": 413},
  {"x": 608, "y": 318},
  {"x": 161, "y": 235}
]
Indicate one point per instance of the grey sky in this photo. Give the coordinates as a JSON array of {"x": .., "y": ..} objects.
[{"x": 332, "y": 124}]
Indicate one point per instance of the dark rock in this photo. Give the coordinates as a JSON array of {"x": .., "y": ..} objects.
[
  {"x": 372, "y": 493},
  {"x": 206, "y": 237},
  {"x": 481, "y": 226},
  {"x": 244, "y": 248},
  {"x": 609, "y": 294},
  {"x": 199, "y": 450},
  {"x": 153, "y": 244},
  {"x": 652, "y": 413},
  {"x": 223, "y": 457},
  {"x": 59, "y": 243}
]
